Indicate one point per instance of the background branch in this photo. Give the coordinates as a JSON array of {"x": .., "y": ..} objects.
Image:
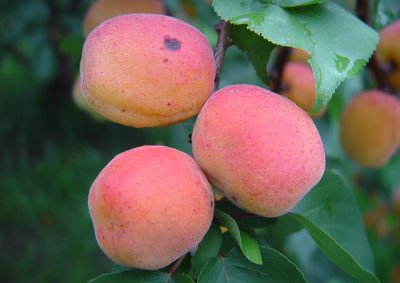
[
  {"x": 275, "y": 73},
  {"x": 223, "y": 28}
]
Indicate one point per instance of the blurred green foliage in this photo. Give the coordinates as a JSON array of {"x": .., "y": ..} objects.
[{"x": 52, "y": 151}]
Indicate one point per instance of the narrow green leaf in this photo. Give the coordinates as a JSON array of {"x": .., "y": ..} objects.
[
  {"x": 247, "y": 244},
  {"x": 234, "y": 268},
  {"x": 256, "y": 48},
  {"x": 208, "y": 248},
  {"x": 339, "y": 43},
  {"x": 330, "y": 214}
]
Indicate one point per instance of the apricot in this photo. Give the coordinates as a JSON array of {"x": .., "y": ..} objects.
[
  {"x": 387, "y": 52},
  {"x": 261, "y": 150},
  {"x": 370, "y": 128},
  {"x": 81, "y": 102},
  {"x": 145, "y": 70},
  {"x": 149, "y": 206},
  {"x": 299, "y": 86},
  {"x": 395, "y": 202},
  {"x": 102, "y": 10},
  {"x": 299, "y": 56}
]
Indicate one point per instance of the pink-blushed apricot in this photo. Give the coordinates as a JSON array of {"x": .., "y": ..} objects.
[
  {"x": 102, "y": 10},
  {"x": 387, "y": 52},
  {"x": 370, "y": 128},
  {"x": 262, "y": 151},
  {"x": 145, "y": 70},
  {"x": 298, "y": 85},
  {"x": 149, "y": 206}
]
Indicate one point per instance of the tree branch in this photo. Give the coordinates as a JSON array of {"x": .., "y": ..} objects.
[
  {"x": 275, "y": 73},
  {"x": 223, "y": 28}
]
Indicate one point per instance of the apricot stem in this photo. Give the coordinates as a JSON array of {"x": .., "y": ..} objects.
[
  {"x": 276, "y": 71},
  {"x": 223, "y": 29},
  {"x": 378, "y": 72}
]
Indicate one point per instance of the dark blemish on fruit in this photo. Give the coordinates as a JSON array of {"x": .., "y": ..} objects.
[
  {"x": 169, "y": 104},
  {"x": 165, "y": 60},
  {"x": 172, "y": 43},
  {"x": 123, "y": 110},
  {"x": 234, "y": 199},
  {"x": 211, "y": 203}
]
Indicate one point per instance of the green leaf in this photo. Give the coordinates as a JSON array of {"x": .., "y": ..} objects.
[
  {"x": 208, "y": 248},
  {"x": 132, "y": 276},
  {"x": 296, "y": 3},
  {"x": 244, "y": 219},
  {"x": 247, "y": 244},
  {"x": 234, "y": 268},
  {"x": 339, "y": 43},
  {"x": 142, "y": 276},
  {"x": 256, "y": 48},
  {"x": 180, "y": 278},
  {"x": 330, "y": 214},
  {"x": 386, "y": 11}
]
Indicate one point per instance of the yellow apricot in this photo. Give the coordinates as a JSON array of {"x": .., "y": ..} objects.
[
  {"x": 370, "y": 128},
  {"x": 81, "y": 102},
  {"x": 102, "y": 10},
  {"x": 261, "y": 150},
  {"x": 387, "y": 52},
  {"x": 149, "y": 206},
  {"x": 145, "y": 70}
]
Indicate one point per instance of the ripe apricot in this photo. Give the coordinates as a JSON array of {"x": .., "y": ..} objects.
[
  {"x": 102, "y": 10},
  {"x": 149, "y": 206},
  {"x": 299, "y": 85},
  {"x": 146, "y": 70},
  {"x": 262, "y": 151},
  {"x": 370, "y": 128},
  {"x": 387, "y": 52}
]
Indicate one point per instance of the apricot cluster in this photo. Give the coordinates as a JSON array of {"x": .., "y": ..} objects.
[{"x": 152, "y": 204}]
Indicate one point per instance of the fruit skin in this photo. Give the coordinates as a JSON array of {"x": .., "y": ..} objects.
[
  {"x": 261, "y": 150},
  {"x": 387, "y": 52},
  {"x": 102, "y": 10},
  {"x": 299, "y": 86},
  {"x": 149, "y": 206},
  {"x": 145, "y": 70},
  {"x": 299, "y": 56},
  {"x": 81, "y": 102},
  {"x": 370, "y": 128}
]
